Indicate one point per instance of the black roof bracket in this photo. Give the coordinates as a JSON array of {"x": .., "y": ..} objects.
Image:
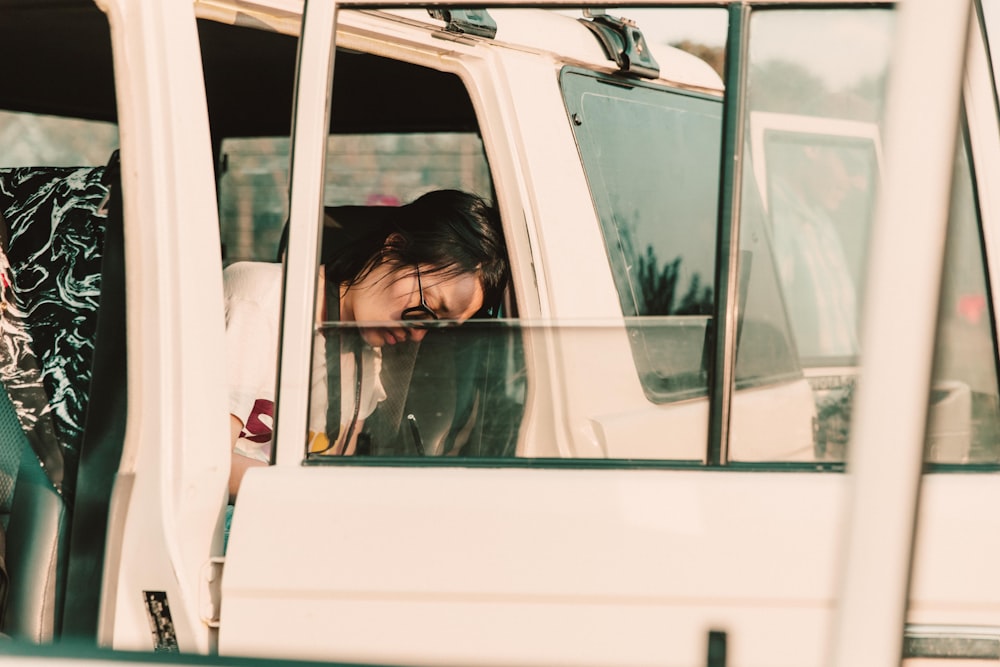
[
  {"x": 623, "y": 42},
  {"x": 476, "y": 22}
]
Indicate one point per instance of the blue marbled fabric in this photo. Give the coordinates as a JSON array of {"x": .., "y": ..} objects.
[{"x": 51, "y": 287}]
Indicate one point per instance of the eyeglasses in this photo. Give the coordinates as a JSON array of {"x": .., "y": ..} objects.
[{"x": 422, "y": 312}]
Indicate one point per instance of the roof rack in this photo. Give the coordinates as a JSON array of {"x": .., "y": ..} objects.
[
  {"x": 623, "y": 42},
  {"x": 476, "y": 22}
]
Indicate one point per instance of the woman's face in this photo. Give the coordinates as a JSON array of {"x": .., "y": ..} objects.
[{"x": 388, "y": 290}]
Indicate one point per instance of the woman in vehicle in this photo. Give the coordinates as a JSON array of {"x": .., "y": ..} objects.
[{"x": 440, "y": 257}]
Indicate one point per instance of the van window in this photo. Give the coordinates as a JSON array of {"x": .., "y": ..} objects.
[
  {"x": 253, "y": 197},
  {"x": 439, "y": 393},
  {"x": 964, "y": 417},
  {"x": 656, "y": 192},
  {"x": 651, "y": 155},
  {"x": 459, "y": 391},
  {"x": 810, "y": 185},
  {"x": 809, "y": 182},
  {"x": 249, "y": 84},
  {"x": 364, "y": 169},
  {"x": 30, "y": 139}
]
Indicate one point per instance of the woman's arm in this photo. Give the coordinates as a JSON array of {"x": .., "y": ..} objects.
[{"x": 239, "y": 464}]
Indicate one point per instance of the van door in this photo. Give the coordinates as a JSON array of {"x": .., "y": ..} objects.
[{"x": 630, "y": 499}]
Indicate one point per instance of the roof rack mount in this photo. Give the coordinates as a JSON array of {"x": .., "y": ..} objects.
[
  {"x": 623, "y": 42},
  {"x": 476, "y": 22}
]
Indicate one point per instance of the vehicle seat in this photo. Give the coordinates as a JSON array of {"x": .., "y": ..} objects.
[{"x": 54, "y": 228}]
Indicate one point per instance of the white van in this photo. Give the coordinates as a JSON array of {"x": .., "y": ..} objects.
[{"x": 645, "y": 441}]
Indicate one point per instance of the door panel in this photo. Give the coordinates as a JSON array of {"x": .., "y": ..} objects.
[
  {"x": 460, "y": 565},
  {"x": 547, "y": 566},
  {"x": 584, "y": 562}
]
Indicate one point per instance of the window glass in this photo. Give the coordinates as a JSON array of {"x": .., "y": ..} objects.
[
  {"x": 379, "y": 386},
  {"x": 56, "y": 141},
  {"x": 991, "y": 23},
  {"x": 813, "y": 148},
  {"x": 421, "y": 396},
  {"x": 394, "y": 168},
  {"x": 656, "y": 192},
  {"x": 657, "y": 195},
  {"x": 253, "y": 197},
  {"x": 652, "y": 159},
  {"x": 964, "y": 421},
  {"x": 249, "y": 84},
  {"x": 457, "y": 392},
  {"x": 363, "y": 169},
  {"x": 812, "y": 175}
]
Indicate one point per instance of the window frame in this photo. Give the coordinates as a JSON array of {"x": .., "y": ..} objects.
[
  {"x": 722, "y": 382},
  {"x": 576, "y": 83}
]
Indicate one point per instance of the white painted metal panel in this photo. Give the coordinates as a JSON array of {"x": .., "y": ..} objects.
[
  {"x": 591, "y": 567},
  {"x": 167, "y": 506},
  {"x": 513, "y": 566},
  {"x": 887, "y": 438}
]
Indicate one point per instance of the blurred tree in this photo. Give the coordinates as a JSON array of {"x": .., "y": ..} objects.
[{"x": 713, "y": 55}]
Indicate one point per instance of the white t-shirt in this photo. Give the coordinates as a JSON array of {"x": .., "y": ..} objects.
[{"x": 253, "y": 311}]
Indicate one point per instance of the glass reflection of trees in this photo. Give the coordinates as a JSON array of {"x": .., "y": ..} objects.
[{"x": 657, "y": 288}]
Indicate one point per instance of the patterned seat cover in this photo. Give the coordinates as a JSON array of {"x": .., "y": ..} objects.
[{"x": 49, "y": 294}]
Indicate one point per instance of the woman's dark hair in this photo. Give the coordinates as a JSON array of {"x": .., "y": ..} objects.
[{"x": 450, "y": 231}]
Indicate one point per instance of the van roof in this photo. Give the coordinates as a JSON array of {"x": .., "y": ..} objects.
[
  {"x": 563, "y": 34},
  {"x": 250, "y": 68}
]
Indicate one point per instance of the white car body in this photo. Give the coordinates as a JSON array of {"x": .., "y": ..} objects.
[{"x": 615, "y": 536}]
